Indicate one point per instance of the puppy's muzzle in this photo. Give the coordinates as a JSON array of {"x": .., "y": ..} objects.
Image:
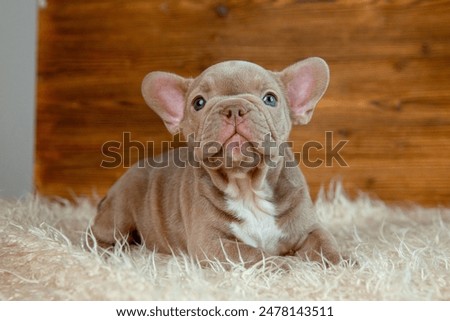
[
  {"x": 233, "y": 111},
  {"x": 234, "y": 114}
]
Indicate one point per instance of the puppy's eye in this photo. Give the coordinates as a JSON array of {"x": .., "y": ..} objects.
[
  {"x": 199, "y": 102},
  {"x": 270, "y": 100}
]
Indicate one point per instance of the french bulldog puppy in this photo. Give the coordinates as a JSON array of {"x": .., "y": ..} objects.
[{"x": 232, "y": 195}]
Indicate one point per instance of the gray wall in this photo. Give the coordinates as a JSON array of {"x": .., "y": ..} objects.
[{"x": 17, "y": 95}]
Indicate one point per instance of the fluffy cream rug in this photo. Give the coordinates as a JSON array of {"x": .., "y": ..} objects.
[{"x": 403, "y": 254}]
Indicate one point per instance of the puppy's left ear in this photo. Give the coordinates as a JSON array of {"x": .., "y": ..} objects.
[{"x": 305, "y": 83}]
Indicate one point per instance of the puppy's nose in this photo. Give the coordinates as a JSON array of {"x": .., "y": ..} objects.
[{"x": 234, "y": 112}]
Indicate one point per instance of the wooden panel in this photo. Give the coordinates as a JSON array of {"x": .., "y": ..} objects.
[{"x": 389, "y": 93}]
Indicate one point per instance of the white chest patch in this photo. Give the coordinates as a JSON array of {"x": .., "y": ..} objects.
[{"x": 258, "y": 227}]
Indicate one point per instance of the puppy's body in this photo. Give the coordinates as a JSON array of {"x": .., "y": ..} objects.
[{"x": 225, "y": 212}]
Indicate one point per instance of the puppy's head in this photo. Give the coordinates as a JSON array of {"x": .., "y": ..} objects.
[{"x": 237, "y": 104}]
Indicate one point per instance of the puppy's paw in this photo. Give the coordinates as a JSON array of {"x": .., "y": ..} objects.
[{"x": 320, "y": 246}]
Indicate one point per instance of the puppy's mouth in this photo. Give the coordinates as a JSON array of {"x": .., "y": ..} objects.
[
  {"x": 234, "y": 143},
  {"x": 236, "y": 147},
  {"x": 237, "y": 140}
]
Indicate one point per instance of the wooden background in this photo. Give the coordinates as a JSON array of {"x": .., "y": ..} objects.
[{"x": 389, "y": 92}]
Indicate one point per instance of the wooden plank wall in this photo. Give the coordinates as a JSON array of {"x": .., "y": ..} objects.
[{"x": 389, "y": 92}]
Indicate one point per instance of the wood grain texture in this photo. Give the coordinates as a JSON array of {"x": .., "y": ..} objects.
[{"x": 389, "y": 92}]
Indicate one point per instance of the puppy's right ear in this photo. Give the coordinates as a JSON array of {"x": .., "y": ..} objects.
[{"x": 165, "y": 94}]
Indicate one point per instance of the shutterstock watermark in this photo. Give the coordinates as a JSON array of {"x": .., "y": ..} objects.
[{"x": 313, "y": 154}]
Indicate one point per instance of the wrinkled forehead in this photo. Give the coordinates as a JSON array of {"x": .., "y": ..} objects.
[{"x": 233, "y": 78}]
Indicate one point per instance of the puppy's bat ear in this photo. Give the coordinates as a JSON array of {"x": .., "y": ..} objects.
[
  {"x": 305, "y": 83},
  {"x": 165, "y": 94}
]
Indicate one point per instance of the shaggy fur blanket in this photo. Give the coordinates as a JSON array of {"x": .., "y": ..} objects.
[{"x": 403, "y": 253}]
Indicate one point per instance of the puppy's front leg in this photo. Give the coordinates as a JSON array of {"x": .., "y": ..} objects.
[
  {"x": 227, "y": 252},
  {"x": 319, "y": 245}
]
